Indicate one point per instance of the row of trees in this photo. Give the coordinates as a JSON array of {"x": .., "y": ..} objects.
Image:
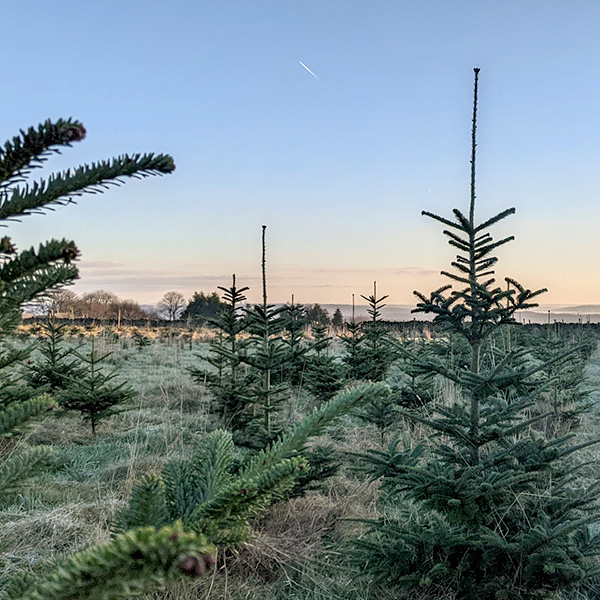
[
  {"x": 98, "y": 304},
  {"x": 201, "y": 309}
]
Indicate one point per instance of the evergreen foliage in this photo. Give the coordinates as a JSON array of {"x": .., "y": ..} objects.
[
  {"x": 57, "y": 366},
  {"x": 337, "y": 320},
  {"x": 140, "y": 340},
  {"x": 212, "y": 496},
  {"x": 490, "y": 511},
  {"x": 370, "y": 351},
  {"x": 325, "y": 374},
  {"x": 227, "y": 380},
  {"x": 352, "y": 343},
  {"x": 134, "y": 562},
  {"x": 267, "y": 357},
  {"x": 203, "y": 308},
  {"x": 318, "y": 315},
  {"x": 564, "y": 397},
  {"x": 377, "y": 348},
  {"x": 92, "y": 392},
  {"x": 137, "y": 560},
  {"x": 293, "y": 338},
  {"x": 29, "y": 275}
]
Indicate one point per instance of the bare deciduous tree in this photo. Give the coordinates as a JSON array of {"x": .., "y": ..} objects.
[{"x": 171, "y": 305}]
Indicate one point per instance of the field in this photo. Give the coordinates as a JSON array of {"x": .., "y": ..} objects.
[{"x": 300, "y": 546}]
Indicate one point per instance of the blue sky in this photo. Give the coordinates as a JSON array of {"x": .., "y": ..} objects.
[{"x": 338, "y": 167}]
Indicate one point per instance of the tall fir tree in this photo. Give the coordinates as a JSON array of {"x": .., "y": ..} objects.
[
  {"x": 490, "y": 512},
  {"x": 267, "y": 357}
]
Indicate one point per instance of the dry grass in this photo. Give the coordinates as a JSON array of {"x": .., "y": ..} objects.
[{"x": 298, "y": 551}]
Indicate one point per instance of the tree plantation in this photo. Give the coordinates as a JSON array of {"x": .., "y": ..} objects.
[{"x": 279, "y": 452}]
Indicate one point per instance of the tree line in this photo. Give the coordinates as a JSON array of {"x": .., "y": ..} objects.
[{"x": 200, "y": 309}]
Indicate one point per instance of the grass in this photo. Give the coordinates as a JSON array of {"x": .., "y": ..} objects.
[{"x": 298, "y": 552}]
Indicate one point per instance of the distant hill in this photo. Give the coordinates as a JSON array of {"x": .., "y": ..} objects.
[{"x": 584, "y": 313}]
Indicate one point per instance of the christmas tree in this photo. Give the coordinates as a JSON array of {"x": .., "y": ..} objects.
[{"x": 488, "y": 510}]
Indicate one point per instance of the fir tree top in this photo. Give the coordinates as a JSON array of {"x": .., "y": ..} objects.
[{"x": 476, "y": 309}]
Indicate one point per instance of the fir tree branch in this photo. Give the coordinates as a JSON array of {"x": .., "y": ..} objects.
[
  {"x": 18, "y": 413},
  {"x": 18, "y": 466},
  {"x": 31, "y": 148},
  {"x": 61, "y": 188},
  {"x": 134, "y": 562},
  {"x": 426, "y": 213},
  {"x": 501, "y": 215},
  {"x": 147, "y": 505},
  {"x": 293, "y": 441},
  {"x": 28, "y": 262}
]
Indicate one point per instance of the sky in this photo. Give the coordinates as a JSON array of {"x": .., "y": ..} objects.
[{"x": 338, "y": 165}]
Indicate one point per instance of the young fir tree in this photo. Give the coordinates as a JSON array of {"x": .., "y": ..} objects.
[
  {"x": 369, "y": 351},
  {"x": 417, "y": 386},
  {"x": 337, "y": 320},
  {"x": 294, "y": 342},
  {"x": 267, "y": 358},
  {"x": 497, "y": 515},
  {"x": 351, "y": 342},
  {"x": 93, "y": 392},
  {"x": 325, "y": 374},
  {"x": 227, "y": 379},
  {"x": 565, "y": 397},
  {"x": 52, "y": 372},
  {"x": 378, "y": 352}
]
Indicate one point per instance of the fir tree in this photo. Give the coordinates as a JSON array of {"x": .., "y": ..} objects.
[
  {"x": 497, "y": 515},
  {"x": 29, "y": 275},
  {"x": 369, "y": 348},
  {"x": 227, "y": 380},
  {"x": 337, "y": 320},
  {"x": 140, "y": 340},
  {"x": 92, "y": 392},
  {"x": 56, "y": 365},
  {"x": 325, "y": 374},
  {"x": 351, "y": 342},
  {"x": 377, "y": 350},
  {"x": 564, "y": 397},
  {"x": 267, "y": 357},
  {"x": 295, "y": 322},
  {"x": 203, "y": 308}
]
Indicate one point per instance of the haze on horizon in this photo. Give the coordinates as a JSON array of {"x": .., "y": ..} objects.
[{"x": 339, "y": 165}]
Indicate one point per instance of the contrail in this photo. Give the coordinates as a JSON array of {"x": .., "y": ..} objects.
[{"x": 303, "y": 65}]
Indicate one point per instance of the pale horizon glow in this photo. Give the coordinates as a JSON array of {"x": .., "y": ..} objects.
[{"x": 338, "y": 170}]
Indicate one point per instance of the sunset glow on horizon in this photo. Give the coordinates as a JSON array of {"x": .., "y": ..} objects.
[{"x": 334, "y": 124}]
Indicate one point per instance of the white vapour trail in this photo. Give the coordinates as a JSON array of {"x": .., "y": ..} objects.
[{"x": 303, "y": 65}]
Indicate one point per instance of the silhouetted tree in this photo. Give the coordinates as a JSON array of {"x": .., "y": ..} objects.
[
  {"x": 171, "y": 305},
  {"x": 202, "y": 308}
]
